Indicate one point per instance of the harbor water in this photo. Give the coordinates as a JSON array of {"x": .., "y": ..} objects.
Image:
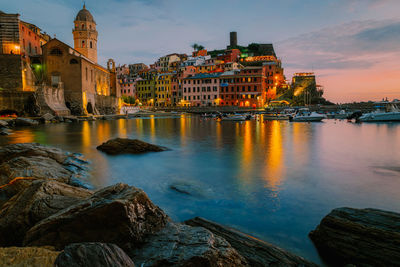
[{"x": 275, "y": 179}]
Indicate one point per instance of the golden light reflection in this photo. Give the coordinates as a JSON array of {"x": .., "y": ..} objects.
[
  {"x": 25, "y": 136},
  {"x": 274, "y": 161},
  {"x": 86, "y": 136},
  {"x": 152, "y": 128},
  {"x": 218, "y": 134},
  {"x": 122, "y": 128},
  {"x": 139, "y": 127},
  {"x": 247, "y": 151},
  {"x": 183, "y": 130},
  {"x": 103, "y": 131}
]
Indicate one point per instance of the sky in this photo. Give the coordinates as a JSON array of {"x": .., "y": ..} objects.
[{"x": 353, "y": 46}]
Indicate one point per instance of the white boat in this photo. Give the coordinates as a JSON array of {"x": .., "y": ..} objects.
[
  {"x": 392, "y": 113},
  {"x": 284, "y": 115},
  {"x": 235, "y": 117},
  {"x": 304, "y": 115}
]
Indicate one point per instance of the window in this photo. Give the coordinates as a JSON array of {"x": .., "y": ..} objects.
[
  {"x": 83, "y": 43},
  {"x": 73, "y": 61},
  {"x": 83, "y": 26},
  {"x": 86, "y": 74},
  {"x": 91, "y": 75},
  {"x": 55, "y": 79},
  {"x": 56, "y": 51},
  {"x": 91, "y": 46}
]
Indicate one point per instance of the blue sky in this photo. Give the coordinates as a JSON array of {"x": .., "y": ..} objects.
[{"x": 334, "y": 38}]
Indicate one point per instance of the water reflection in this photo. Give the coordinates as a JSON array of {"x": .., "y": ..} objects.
[
  {"x": 274, "y": 164},
  {"x": 275, "y": 180}
]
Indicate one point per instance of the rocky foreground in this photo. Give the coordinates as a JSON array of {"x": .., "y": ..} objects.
[{"x": 50, "y": 217}]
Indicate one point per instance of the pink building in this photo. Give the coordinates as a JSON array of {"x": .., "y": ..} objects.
[
  {"x": 201, "y": 90},
  {"x": 128, "y": 86}
]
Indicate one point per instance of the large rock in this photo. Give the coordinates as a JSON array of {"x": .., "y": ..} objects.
[
  {"x": 124, "y": 145},
  {"x": 183, "y": 245},
  {"x": 33, "y": 161},
  {"x": 33, "y": 204},
  {"x": 256, "y": 252},
  {"x": 93, "y": 255},
  {"x": 24, "y": 122},
  {"x": 3, "y": 123},
  {"x": 363, "y": 237},
  {"x": 118, "y": 214},
  {"x": 5, "y": 131},
  {"x": 47, "y": 117},
  {"x": 28, "y": 256}
]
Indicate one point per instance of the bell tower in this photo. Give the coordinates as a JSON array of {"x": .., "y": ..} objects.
[{"x": 85, "y": 34}]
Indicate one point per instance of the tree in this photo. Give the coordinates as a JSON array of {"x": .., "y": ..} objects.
[
  {"x": 197, "y": 47},
  {"x": 194, "y": 46}
]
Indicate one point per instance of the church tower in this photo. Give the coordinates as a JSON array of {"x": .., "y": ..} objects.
[{"x": 85, "y": 34}]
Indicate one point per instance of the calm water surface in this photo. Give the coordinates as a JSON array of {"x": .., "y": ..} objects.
[{"x": 275, "y": 180}]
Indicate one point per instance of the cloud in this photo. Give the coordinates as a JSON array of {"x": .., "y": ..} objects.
[{"x": 359, "y": 44}]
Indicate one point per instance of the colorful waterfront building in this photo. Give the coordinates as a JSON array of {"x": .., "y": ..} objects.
[
  {"x": 127, "y": 86},
  {"x": 137, "y": 67},
  {"x": 177, "y": 82},
  {"x": 201, "y": 90},
  {"x": 145, "y": 88},
  {"x": 20, "y": 49},
  {"x": 163, "y": 89}
]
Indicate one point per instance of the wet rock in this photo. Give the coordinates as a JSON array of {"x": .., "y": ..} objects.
[
  {"x": 5, "y": 131},
  {"x": 24, "y": 122},
  {"x": 363, "y": 237},
  {"x": 93, "y": 255},
  {"x": 124, "y": 145},
  {"x": 188, "y": 188},
  {"x": 33, "y": 204},
  {"x": 183, "y": 245},
  {"x": 71, "y": 118},
  {"x": 33, "y": 161},
  {"x": 28, "y": 256},
  {"x": 59, "y": 118},
  {"x": 118, "y": 214},
  {"x": 3, "y": 123},
  {"x": 48, "y": 117},
  {"x": 257, "y": 252}
]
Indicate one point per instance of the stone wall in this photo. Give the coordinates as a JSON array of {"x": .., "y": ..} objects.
[
  {"x": 11, "y": 72},
  {"x": 15, "y": 100},
  {"x": 51, "y": 100},
  {"x": 106, "y": 104}
]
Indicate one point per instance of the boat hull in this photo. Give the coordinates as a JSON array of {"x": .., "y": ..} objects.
[{"x": 383, "y": 117}]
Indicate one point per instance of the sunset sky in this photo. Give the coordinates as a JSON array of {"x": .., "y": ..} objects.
[{"x": 353, "y": 46}]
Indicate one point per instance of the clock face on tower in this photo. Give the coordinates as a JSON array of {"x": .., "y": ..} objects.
[{"x": 85, "y": 34}]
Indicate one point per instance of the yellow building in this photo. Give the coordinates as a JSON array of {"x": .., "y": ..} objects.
[
  {"x": 163, "y": 89},
  {"x": 145, "y": 89}
]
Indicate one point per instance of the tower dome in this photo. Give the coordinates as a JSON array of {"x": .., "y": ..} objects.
[
  {"x": 84, "y": 15},
  {"x": 85, "y": 34}
]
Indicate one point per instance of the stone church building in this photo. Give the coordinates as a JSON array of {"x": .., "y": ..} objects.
[{"x": 88, "y": 87}]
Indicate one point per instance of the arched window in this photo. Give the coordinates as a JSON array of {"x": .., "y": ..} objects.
[
  {"x": 90, "y": 26},
  {"x": 73, "y": 61},
  {"x": 83, "y": 26},
  {"x": 83, "y": 43},
  {"x": 56, "y": 51},
  {"x": 91, "y": 46}
]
